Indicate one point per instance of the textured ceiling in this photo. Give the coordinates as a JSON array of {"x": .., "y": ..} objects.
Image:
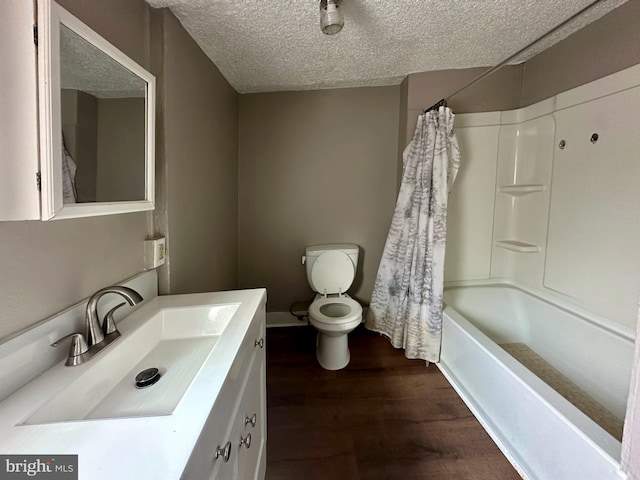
[
  {"x": 271, "y": 45},
  {"x": 83, "y": 67}
]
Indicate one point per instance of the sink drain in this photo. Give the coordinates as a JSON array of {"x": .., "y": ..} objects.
[{"x": 147, "y": 377}]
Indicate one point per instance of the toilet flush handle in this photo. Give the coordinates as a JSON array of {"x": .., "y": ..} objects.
[{"x": 304, "y": 259}]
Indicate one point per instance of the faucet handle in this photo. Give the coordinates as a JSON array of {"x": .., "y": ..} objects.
[
  {"x": 109, "y": 324},
  {"x": 78, "y": 344}
]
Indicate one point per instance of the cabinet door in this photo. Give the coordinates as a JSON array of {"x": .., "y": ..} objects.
[
  {"x": 64, "y": 45},
  {"x": 19, "y": 196},
  {"x": 252, "y": 419},
  {"x": 220, "y": 436},
  {"x": 208, "y": 456},
  {"x": 242, "y": 395}
]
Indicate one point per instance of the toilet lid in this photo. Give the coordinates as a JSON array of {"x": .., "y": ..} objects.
[{"x": 332, "y": 272}]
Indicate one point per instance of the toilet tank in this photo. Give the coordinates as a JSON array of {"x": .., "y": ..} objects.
[{"x": 312, "y": 252}]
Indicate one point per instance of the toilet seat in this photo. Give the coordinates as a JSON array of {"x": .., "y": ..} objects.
[{"x": 320, "y": 310}]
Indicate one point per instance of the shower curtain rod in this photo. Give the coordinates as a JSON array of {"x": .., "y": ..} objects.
[{"x": 486, "y": 73}]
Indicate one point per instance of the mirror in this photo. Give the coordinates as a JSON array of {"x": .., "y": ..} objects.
[
  {"x": 103, "y": 125},
  {"x": 98, "y": 123}
]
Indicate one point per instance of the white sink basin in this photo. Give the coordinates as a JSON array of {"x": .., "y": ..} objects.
[
  {"x": 94, "y": 411},
  {"x": 177, "y": 341}
]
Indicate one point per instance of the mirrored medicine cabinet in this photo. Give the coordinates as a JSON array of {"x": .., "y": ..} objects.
[{"x": 96, "y": 112}]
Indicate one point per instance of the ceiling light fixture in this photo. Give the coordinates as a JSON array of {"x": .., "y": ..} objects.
[{"x": 331, "y": 18}]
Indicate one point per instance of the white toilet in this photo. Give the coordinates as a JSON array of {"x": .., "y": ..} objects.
[{"x": 330, "y": 272}]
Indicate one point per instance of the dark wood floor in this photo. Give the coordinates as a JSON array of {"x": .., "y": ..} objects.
[{"x": 382, "y": 417}]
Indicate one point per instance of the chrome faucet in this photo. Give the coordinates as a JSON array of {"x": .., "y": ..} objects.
[{"x": 97, "y": 337}]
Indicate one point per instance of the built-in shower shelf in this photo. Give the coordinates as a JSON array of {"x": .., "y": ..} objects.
[
  {"x": 517, "y": 246},
  {"x": 519, "y": 190}
]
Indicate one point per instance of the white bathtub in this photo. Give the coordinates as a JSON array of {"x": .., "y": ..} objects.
[{"x": 543, "y": 435}]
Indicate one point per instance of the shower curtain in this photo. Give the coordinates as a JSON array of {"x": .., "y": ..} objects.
[
  {"x": 69, "y": 167},
  {"x": 406, "y": 304}
]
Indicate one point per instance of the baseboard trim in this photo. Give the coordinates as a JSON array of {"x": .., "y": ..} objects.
[{"x": 284, "y": 319}]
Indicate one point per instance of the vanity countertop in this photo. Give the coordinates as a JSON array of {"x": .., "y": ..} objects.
[{"x": 151, "y": 447}]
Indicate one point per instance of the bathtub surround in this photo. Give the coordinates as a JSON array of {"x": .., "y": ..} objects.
[
  {"x": 552, "y": 207},
  {"x": 631, "y": 441},
  {"x": 406, "y": 303}
]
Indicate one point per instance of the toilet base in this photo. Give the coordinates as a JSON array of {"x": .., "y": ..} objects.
[{"x": 332, "y": 351}]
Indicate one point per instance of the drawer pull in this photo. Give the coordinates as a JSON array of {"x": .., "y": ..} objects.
[
  {"x": 259, "y": 343},
  {"x": 225, "y": 452},
  {"x": 250, "y": 420},
  {"x": 246, "y": 441}
]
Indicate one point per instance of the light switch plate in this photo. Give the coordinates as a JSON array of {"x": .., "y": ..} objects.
[{"x": 155, "y": 252}]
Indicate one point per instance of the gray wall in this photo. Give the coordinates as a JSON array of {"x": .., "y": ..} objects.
[
  {"x": 500, "y": 91},
  {"x": 124, "y": 23},
  {"x": 606, "y": 46},
  {"x": 314, "y": 167},
  {"x": 403, "y": 130},
  {"x": 80, "y": 130},
  {"x": 121, "y": 148},
  {"x": 197, "y": 163},
  {"x": 282, "y": 146},
  {"x": 287, "y": 195},
  {"x": 47, "y": 266}
]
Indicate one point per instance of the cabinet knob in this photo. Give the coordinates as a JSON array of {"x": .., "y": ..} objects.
[
  {"x": 259, "y": 343},
  {"x": 225, "y": 452},
  {"x": 251, "y": 420},
  {"x": 246, "y": 441}
]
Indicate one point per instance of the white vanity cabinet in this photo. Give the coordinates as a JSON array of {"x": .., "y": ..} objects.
[
  {"x": 232, "y": 445},
  {"x": 251, "y": 421}
]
